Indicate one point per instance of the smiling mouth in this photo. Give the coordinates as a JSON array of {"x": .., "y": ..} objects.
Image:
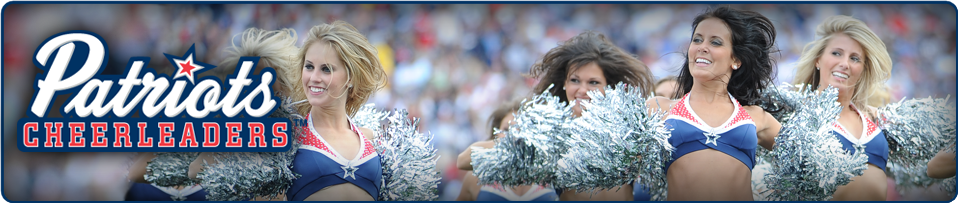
[
  {"x": 317, "y": 90},
  {"x": 704, "y": 61},
  {"x": 841, "y": 75}
]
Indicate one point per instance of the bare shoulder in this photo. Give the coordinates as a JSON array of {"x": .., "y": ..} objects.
[
  {"x": 663, "y": 103},
  {"x": 758, "y": 114},
  {"x": 367, "y": 133}
]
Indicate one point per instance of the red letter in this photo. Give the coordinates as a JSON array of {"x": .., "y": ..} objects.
[
  {"x": 165, "y": 129},
  {"x": 188, "y": 134},
  {"x": 144, "y": 140},
  {"x": 216, "y": 134},
  {"x": 256, "y": 131},
  {"x": 233, "y": 132},
  {"x": 98, "y": 139},
  {"x": 53, "y": 134},
  {"x": 74, "y": 134},
  {"x": 279, "y": 136},
  {"x": 26, "y": 134},
  {"x": 122, "y": 132}
]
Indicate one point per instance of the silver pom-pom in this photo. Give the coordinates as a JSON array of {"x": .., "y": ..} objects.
[
  {"x": 238, "y": 176},
  {"x": 916, "y": 177},
  {"x": 616, "y": 141},
  {"x": 809, "y": 162},
  {"x": 170, "y": 169},
  {"x": 916, "y": 130},
  {"x": 368, "y": 116},
  {"x": 530, "y": 149},
  {"x": 784, "y": 98},
  {"x": 408, "y": 159}
]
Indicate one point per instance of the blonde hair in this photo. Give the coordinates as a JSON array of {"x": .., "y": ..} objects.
[
  {"x": 276, "y": 49},
  {"x": 877, "y": 62},
  {"x": 363, "y": 67}
]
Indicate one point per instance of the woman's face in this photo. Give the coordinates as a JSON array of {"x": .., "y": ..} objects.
[
  {"x": 710, "y": 55},
  {"x": 579, "y": 81},
  {"x": 505, "y": 124},
  {"x": 324, "y": 76},
  {"x": 841, "y": 63}
]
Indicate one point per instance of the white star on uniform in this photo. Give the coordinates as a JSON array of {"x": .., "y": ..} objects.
[
  {"x": 349, "y": 171},
  {"x": 711, "y": 138}
]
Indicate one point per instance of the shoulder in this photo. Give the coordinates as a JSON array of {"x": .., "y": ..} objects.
[
  {"x": 663, "y": 103},
  {"x": 758, "y": 114},
  {"x": 367, "y": 133}
]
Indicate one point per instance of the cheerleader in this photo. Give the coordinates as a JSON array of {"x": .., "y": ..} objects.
[
  {"x": 276, "y": 50},
  {"x": 501, "y": 119},
  {"x": 716, "y": 125},
  {"x": 851, "y": 57},
  {"x": 589, "y": 62},
  {"x": 336, "y": 161}
]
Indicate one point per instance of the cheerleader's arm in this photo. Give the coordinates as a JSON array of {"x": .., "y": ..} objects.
[
  {"x": 139, "y": 167},
  {"x": 463, "y": 160},
  {"x": 197, "y": 165},
  {"x": 943, "y": 165}
]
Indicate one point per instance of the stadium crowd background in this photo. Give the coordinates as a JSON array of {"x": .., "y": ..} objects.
[{"x": 450, "y": 65}]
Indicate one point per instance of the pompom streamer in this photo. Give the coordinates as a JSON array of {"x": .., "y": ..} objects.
[
  {"x": 808, "y": 161},
  {"x": 616, "y": 141},
  {"x": 916, "y": 130},
  {"x": 408, "y": 158},
  {"x": 529, "y": 151},
  {"x": 170, "y": 169},
  {"x": 238, "y": 176}
]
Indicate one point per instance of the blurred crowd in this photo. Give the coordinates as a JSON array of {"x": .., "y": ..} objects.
[{"x": 450, "y": 65}]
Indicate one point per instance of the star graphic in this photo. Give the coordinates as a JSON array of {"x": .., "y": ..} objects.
[
  {"x": 349, "y": 171},
  {"x": 187, "y": 66},
  {"x": 859, "y": 148},
  {"x": 711, "y": 138}
]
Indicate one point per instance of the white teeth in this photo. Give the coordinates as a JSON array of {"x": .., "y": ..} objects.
[
  {"x": 703, "y": 61},
  {"x": 841, "y": 75},
  {"x": 315, "y": 89}
]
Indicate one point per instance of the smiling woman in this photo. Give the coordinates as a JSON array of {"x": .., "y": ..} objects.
[
  {"x": 849, "y": 56},
  {"x": 716, "y": 126}
]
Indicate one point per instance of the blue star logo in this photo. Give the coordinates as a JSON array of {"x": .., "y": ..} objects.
[
  {"x": 187, "y": 65},
  {"x": 349, "y": 171},
  {"x": 712, "y": 138}
]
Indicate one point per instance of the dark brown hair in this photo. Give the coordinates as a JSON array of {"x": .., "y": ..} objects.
[
  {"x": 617, "y": 65},
  {"x": 753, "y": 41}
]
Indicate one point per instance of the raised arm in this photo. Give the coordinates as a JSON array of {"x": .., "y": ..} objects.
[
  {"x": 463, "y": 160},
  {"x": 943, "y": 165},
  {"x": 197, "y": 165},
  {"x": 770, "y": 129},
  {"x": 139, "y": 167}
]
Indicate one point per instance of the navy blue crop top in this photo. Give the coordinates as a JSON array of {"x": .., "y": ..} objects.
[
  {"x": 873, "y": 141},
  {"x": 497, "y": 193},
  {"x": 320, "y": 166},
  {"x": 736, "y": 137}
]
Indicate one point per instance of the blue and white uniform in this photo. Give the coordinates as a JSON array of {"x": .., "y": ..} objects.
[
  {"x": 736, "y": 137},
  {"x": 320, "y": 166},
  {"x": 151, "y": 192},
  {"x": 872, "y": 140},
  {"x": 498, "y": 193}
]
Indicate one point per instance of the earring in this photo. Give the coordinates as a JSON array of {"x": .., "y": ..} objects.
[
  {"x": 350, "y": 86},
  {"x": 735, "y": 67},
  {"x": 818, "y": 68},
  {"x": 564, "y": 88}
]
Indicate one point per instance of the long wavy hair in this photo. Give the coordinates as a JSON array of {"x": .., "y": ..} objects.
[
  {"x": 617, "y": 65},
  {"x": 363, "y": 67},
  {"x": 753, "y": 42},
  {"x": 877, "y": 63}
]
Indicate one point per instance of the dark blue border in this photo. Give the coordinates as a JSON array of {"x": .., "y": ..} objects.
[{"x": 3, "y": 36}]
